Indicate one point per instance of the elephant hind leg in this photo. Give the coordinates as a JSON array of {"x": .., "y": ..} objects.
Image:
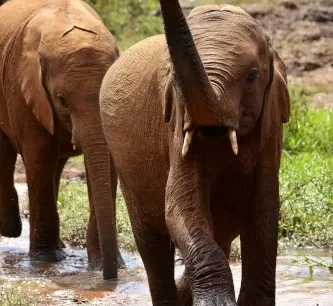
[
  {"x": 60, "y": 166},
  {"x": 41, "y": 166},
  {"x": 10, "y": 221}
]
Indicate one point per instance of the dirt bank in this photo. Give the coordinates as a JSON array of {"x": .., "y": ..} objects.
[{"x": 302, "y": 32}]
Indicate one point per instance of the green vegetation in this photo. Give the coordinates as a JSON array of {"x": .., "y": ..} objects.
[
  {"x": 15, "y": 297},
  {"x": 129, "y": 20},
  {"x": 307, "y": 174},
  {"x": 74, "y": 215}
]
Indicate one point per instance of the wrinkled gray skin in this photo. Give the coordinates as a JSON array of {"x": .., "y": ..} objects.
[
  {"x": 158, "y": 92},
  {"x": 53, "y": 56}
]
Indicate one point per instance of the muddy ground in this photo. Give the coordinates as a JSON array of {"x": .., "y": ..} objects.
[
  {"x": 302, "y": 32},
  {"x": 70, "y": 282}
]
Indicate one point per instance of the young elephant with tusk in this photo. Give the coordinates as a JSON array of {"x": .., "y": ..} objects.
[{"x": 179, "y": 100}]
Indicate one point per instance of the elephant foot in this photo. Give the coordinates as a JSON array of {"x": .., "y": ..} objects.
[
  {"x": 48, "y": 255},
  {"x": 11, "y": 227},
  {"x": 97, "y": 263}
]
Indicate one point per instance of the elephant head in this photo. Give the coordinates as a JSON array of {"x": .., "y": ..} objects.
[
  {"x": 61, "y": 66},
  {"x": 223, "y": 79}
]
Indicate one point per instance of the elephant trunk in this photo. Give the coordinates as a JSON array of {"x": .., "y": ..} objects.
[
  {"x": 202, "y": 103},
  {"x": 98, "y": 168}
]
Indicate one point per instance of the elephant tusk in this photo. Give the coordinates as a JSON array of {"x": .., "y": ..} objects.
[
  {"x": 233, "y": 141},
  {"x": 74, "y": 147},
  {"x": 187, "y": 141}
]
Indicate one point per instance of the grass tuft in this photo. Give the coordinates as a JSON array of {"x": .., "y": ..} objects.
[{"x": 15, "y": 297}]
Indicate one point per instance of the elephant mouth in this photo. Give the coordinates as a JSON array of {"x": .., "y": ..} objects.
[{"x": 212, "y": 131}]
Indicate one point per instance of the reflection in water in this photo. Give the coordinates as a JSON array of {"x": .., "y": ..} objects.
[{"x": 70, "y": 282}]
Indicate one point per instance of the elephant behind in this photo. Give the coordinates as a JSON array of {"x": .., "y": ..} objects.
[
  {"x": 54, "y": 55},
  {"x": 194, "y": 122}
]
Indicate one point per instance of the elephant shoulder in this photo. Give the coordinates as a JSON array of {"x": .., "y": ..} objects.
[
  {"x": 133, "y": 76},
  {"x": 137, "y": 64}
]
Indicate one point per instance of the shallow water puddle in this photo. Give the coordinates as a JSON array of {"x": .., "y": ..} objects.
[{"x": 71, "y": 283}]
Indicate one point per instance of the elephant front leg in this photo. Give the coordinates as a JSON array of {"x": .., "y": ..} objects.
[
  {"x": 10, "y": 221},
  {"x": 44, "y": 220},
  {"x": 259, "y": 241}
]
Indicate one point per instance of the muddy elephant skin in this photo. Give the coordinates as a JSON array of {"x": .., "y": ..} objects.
[
  {"x": 194, "y": 122},
  {"x": 54, "y": 55}
]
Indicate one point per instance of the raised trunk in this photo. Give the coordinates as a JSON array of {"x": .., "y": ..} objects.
[
  {"x": 98, "y": 167},
  {"x": 201, "y": 101}
]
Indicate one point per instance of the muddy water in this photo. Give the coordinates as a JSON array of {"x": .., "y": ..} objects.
[{"x": 71, "y": 283}]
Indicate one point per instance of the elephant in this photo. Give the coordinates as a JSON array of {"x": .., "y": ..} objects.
[
  {"x": 194, "y": 122},
  {"x": 54, "y": 55}
]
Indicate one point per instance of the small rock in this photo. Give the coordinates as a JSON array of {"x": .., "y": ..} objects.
[
  {"x": 290, "y": 5},
  {"x": 319, "y": 15},
  {"x": 311, "y": 65},
  {"x": 259, "y": 10}
]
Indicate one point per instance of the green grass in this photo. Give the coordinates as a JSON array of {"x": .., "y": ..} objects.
[
  {"x": 73, "y": 210},
  {"x": 15, "y": 297},
  {"x": 307, "y": 199},
  {"x": 77, "y": 159},
  {"x": 306, "y": 174},
  {"x": 309, "y": 130}
]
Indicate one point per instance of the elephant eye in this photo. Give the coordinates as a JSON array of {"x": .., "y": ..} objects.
[
  {"x": 251, "y": 77},
  {"x": 62, "y": 101}
]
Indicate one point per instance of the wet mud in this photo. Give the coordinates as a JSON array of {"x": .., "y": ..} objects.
[{"x": 70, "y": 282}]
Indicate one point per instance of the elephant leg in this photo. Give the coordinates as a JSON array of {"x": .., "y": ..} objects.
[
  {"x": 157, "y": 252},
  {"x": 93, "y": 247},
  {"x": 60, "y": 166},
  {"x": 259, "y": 244},
  {"x": 10, "y": 221},
  {"x": 114, "y": 184},
  {"x": 41, "y": 168}
]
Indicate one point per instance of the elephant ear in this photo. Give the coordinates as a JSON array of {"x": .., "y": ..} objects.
[
  {"x": 276, "y": 109},
  {"x": 30, "y": 78}
]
